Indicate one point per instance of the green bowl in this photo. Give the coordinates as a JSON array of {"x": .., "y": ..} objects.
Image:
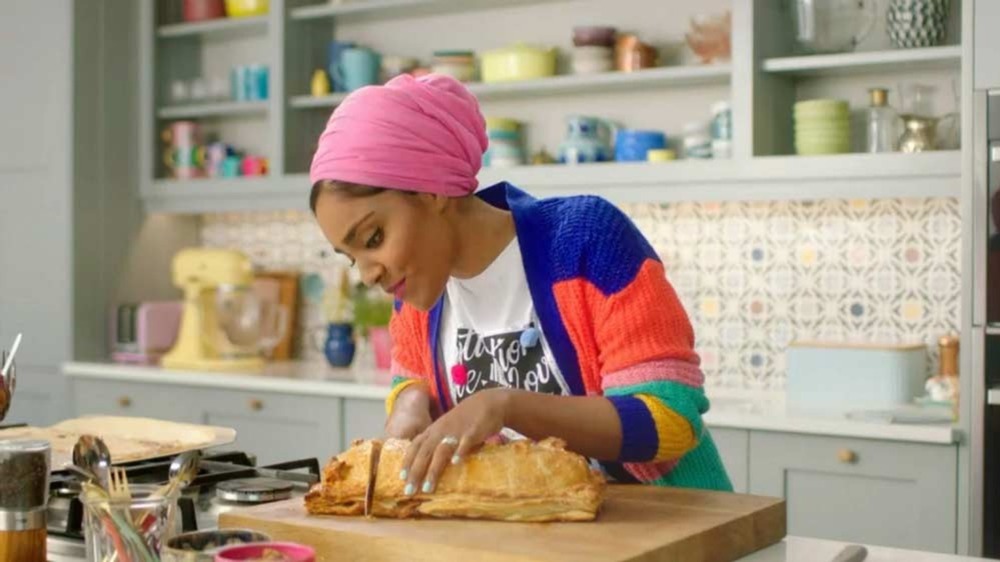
[
  {"x": 810, "y": 148},
  {"x": 833, "y": 127},
  {"x": 823, "y": 106}
]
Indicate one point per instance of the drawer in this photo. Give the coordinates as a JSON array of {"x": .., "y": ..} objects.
[
  {"x": 363, "y": 419},
  {"x": 276, "y": 427},
  {"x": 115, "y": 398},
  {"x": 860, "y": 490}
]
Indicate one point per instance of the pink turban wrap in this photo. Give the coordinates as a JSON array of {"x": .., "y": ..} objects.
[{"x": 415, "y": 134}]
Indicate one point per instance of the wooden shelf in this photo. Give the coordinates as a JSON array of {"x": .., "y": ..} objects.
[
  {"x": 221, "y": 109},
  {"x": 844, "y": 176},
  {"x": 217, "y": 28},
  {"x": 210, "y": 195},
  {"x": 856, "y": 63},
  {"x": 385, "y": 9},
  {"x": 667, "y": 76},
  {"x": 312, "y": 102}
]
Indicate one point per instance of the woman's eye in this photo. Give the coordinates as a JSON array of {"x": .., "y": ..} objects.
[{"x": 374, "y": 240}]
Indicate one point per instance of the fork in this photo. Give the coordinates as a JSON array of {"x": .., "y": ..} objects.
[
  {"x": 118, "y": 486},
  {"x": 120, "y": 493}
]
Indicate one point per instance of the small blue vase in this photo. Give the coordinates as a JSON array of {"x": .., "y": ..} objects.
[{"x": 339, "y": 347}]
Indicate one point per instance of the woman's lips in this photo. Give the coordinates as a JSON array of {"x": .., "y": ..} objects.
[{"x": 398, "y": 289}]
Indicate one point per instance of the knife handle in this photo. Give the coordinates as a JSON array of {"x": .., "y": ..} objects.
[{"x": 851, "y": 553}]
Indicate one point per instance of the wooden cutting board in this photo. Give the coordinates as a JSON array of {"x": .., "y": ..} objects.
[{"x": 636, "y": 523}]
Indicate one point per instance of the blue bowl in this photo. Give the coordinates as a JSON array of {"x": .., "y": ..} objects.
[{"x": 631, "y": 145}]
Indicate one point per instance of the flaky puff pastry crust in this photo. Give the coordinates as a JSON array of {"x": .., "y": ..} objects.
[
  {"x": 345, "y": 481},
  {"x": 517, "y": 481}
]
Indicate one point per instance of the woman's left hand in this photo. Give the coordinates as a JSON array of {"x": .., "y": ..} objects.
[{"x": 453, "y": 436}]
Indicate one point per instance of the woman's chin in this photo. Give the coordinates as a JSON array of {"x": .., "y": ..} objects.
[{"x": 420, "y": 299}]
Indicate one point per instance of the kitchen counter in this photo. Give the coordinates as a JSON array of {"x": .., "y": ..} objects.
[
  {"x": 732, "y": 409},
  {"x": 802, "y": 549},
  {"x": 291, "y": 377}
]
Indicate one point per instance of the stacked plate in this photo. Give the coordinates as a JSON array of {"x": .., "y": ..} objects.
[
  {"x": 822, "y": 126},
  {"x": 917, "y": 23}
]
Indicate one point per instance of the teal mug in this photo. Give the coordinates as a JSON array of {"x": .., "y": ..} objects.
[{"x": 358, "y": 67}]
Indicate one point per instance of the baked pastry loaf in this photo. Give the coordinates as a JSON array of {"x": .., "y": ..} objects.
[
  {"x": 517, "y": 481},
  {"x": 345, "y": 481}
]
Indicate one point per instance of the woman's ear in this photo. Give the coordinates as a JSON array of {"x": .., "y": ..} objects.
[{"x": 435, "y": 202}]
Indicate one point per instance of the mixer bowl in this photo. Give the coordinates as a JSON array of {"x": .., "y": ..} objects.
[{"x": 248, "y": 325}]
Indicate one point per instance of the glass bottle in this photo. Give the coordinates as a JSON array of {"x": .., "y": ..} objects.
[{"x": 883, "y": 129}]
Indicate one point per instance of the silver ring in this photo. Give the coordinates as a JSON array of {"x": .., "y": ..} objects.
[{"x": 450, "y": 440}]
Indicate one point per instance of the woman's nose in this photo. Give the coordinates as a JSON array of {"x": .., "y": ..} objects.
[{"x": 371, "y": 273}]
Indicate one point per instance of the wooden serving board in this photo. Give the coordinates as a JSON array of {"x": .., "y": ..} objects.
[
  {"x": 636, "y": 523},
  {"x": 128, "y": 439}
]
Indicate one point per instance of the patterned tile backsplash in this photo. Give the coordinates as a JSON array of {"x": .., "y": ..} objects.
[{"x": 753, "y": 276}]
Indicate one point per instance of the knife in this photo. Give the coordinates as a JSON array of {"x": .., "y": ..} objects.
[
  {"x": 851, "y": 553},
  {"x": 370, "y": 488}
]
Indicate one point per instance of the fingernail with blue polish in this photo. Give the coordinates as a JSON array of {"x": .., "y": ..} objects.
[
  {"x": 402, "y": 474},
  {"x": 456, "y": 459},
  {"x": 428, "y": 487},
  {"x": 410, "y": 490}
]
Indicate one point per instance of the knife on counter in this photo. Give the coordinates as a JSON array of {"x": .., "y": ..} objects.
[{"x": 851, "y": 553}]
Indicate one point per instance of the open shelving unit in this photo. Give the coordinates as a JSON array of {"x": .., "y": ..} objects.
[{"x": 761, "y": 79}]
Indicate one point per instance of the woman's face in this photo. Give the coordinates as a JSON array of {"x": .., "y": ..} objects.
[{"x": 400, "y": 241}]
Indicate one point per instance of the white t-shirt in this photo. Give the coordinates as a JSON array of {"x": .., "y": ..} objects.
[{"x": 483, "y": 325}]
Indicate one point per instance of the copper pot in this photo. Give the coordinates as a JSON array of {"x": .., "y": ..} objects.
[{"x": 632, "y": 54}]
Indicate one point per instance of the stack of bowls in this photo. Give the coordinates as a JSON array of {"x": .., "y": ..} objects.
[
  {"x": 917, "y": 23},
  {"x": 822, "y": 126},
  {"x": 460, "y": 65},
  {"x": 506, "y": 147},
  {"x": 593, "y": 49}
]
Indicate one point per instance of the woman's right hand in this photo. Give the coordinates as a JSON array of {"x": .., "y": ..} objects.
[{"x": 411, "y": 414}]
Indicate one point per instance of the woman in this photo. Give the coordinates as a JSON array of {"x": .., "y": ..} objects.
[{"x": 514, "y": 316}]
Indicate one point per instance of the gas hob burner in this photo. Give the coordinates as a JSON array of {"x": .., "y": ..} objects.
[{"x": 253, "y": 490}]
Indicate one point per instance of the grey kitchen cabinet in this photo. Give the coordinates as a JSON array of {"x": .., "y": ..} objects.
[
  {"x": 274, "y": 426},
  {"x": 68, "y": 204},
  {"x": 35, "y": 402},
  {"x": 363, "y": 419},
  {"x": 139, "y": 399},
  {"x": 986, "y": 44},
  {"x": 734, "y": 448},
  {"x": 860, "y": 490}
]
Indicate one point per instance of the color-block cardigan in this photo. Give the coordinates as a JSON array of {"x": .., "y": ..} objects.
[{"x": 615, "y": 328}]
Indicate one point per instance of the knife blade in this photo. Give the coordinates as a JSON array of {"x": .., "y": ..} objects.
[{"x": 370, "y": 487}]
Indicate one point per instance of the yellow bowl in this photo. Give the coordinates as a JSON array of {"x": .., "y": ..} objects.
[
  {"x": 519, "y": 62},
  {"x": 503, "y": 124},
  {"x": 246, "y": 8}
]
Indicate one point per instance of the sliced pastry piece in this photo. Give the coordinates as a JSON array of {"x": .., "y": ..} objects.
[{"x": 346, "y": 481}]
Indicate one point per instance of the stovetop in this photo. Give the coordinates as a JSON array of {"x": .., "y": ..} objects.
[{"x": 199, "y": 504}]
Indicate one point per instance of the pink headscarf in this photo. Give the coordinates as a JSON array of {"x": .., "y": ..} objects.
[{"x": 415, "y": 134}]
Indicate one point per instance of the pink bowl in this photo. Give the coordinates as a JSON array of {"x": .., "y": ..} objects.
[{"x": 259, "y": 550}]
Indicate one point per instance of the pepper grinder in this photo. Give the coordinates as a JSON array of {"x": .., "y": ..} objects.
[{"x": 24, "y": 495}]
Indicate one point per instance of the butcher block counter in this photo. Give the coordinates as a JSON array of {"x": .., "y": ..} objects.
[{"x": 635, "y": 523}]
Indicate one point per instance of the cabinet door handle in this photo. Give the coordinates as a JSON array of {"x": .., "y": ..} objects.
[
  {"x": 124, "y": 401},
  {"x": 847, "y": 456},
  {"x": 256, "y": 404}
]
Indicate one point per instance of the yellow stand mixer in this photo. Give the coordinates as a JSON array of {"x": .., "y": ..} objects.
[{"x": 220, "y": 327}]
